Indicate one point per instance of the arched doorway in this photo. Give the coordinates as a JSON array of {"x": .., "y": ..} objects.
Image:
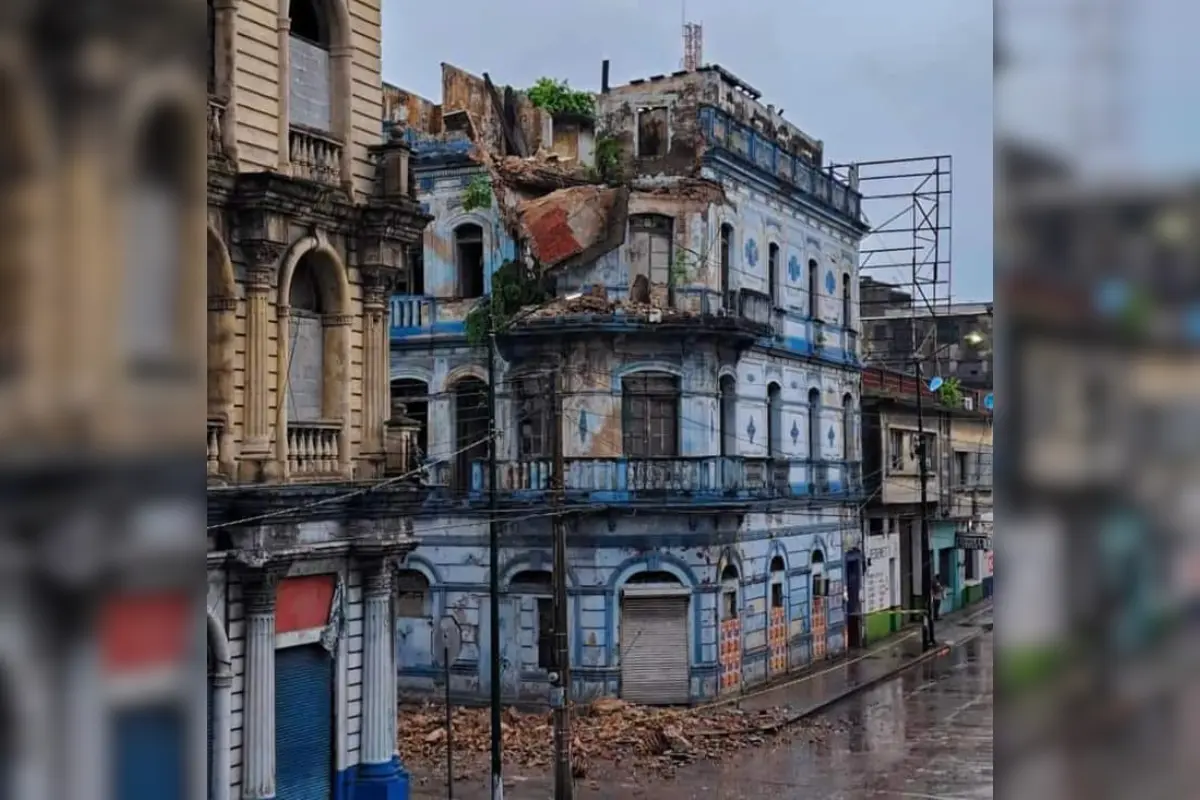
[
  {"x": 410, "y": 398},
  {"x": 412, "y": 601},
  {"x": 730, "y": 635},
  {"x": 819, "y": 606},
  {"x": 653, "y": 634},
  {"x": 777, "y": 618}
]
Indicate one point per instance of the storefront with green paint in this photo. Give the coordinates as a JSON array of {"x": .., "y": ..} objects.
[{"x": 946, "y": 562}]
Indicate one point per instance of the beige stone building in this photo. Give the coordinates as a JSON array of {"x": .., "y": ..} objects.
[{"x": 309, "y": 215}]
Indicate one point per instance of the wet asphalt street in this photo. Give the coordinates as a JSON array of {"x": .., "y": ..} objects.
[{"x": 925, "y": 734}]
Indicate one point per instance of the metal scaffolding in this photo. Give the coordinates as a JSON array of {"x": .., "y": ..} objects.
[{"x": 905, "y": 261}]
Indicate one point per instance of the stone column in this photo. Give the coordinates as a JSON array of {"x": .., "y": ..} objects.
[
  {"x": 258, "y": 704},
  {"x": 376, "y": 358},
  {"x": 263, "y": 258},
  {"x": 381, "y": 776}
]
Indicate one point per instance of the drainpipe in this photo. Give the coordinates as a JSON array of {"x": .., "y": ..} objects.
[{"x": 222, "y": 680}]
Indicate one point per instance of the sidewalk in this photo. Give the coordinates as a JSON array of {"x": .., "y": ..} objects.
[{"x": 813, "y": 691}]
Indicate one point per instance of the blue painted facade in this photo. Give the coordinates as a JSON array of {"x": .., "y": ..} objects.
[{"x": 766, "y": 472}]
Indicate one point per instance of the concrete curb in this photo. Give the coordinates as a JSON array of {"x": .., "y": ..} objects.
[{"x": 888, "y": 674}]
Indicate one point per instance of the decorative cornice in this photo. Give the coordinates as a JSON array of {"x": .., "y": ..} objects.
[
  {"x": 337, "y": 320},
  {"x": 263, "y": 255},
  {"x": 220, "y": 304}
]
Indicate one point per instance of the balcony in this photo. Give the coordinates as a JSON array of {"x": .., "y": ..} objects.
[
  {"x": 417, "y": 315},
  {"x": 716, "y": 479},
  {"x": 315, "y": 156},
  {"x": 752, "y": 148},
  {"x": 313, "y": 449},
  {"x": 216, "y": 458}
]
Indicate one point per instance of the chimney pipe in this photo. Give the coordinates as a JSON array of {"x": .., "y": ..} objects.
[{"x": 604, "y": 77}]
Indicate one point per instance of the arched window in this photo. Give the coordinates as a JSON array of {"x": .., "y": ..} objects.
[
  {"x": 306, "y": 366},
  {"x": 729, "y": 592},
  {"x": 778, "y": 576},
  {"x": 728, "y": 387},
  {"x": 774, "y": 421},
  {"x": 848, "y": 433},
  {"x": 539, "y": 585},
  {"x": 411, "y": 597},
  {"x": 814, "y": 304},
  {"x": 773, "y": 273},
  {"x": 471, "y": 426},
  {"x": 468, "y": 260},
  {"x": 410, "y": 398},
  {"x": 847, "y": 302},
  {"x": 814, "y": 424},
  {"x": 310, "y": 41},
  {"x": 650, "y": 248},
  {"x": 726, "y": 254}
]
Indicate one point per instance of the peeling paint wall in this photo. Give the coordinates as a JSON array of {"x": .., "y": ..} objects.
[
  {"x": 441, "y": 192},
  {"x": 453, "y": 556}
]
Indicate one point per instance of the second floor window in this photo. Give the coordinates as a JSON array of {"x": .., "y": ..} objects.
[
  {"x": 847, "y": 303},
  {"x": 468, "y": 260},
  {"x": 726, "y": 253},
  {"x": 650, "y": 247},
  {"x": 310, "y": 96},
  {"x": 533, "y": 417},
  {"x": 650, "y": 416},
  {"x": 773, "y": 273},
  {"x": 814, "y": 300}
]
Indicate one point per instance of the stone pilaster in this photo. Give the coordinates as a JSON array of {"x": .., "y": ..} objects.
[
  {"x": 258, "y": 707},
  {"x": 263, "y": 256},
  {"x": 376, "y": 357},
  {"x": 381, "y": 776}
]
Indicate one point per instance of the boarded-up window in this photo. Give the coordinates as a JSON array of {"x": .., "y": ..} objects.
[
  {"x": 650, "y": 247},
  {"x": 412, "y": 595},
  {"x": 310, "y": 94},
  {"x": 650, "y": 411},
  {"x": 306, "y": 345},
  {"x": 653, "y": 135}
]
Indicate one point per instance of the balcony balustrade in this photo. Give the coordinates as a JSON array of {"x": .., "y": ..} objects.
[
  {"x": 313, "y": 449},
  {"x": 216, "y": 128},
  {"x": 715, "y": 479},
  {"x": 315, "y": 156},
  {"x": 216, "y": 427}
]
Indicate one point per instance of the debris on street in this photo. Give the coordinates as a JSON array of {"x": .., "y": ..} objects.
[{"x": 606, "y": 731}]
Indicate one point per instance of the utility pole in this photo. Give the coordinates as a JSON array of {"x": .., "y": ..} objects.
[
  {"x": 928, "y": 639},
  {"x": 494, "y": 567},
  {"x": 564, "y": 788}
]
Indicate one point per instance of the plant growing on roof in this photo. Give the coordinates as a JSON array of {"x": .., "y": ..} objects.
[
  {"x": 514, "y": 286},
  {"x": 950, "y": 392},
  {"x": 478, "y": 194},
  {"x": 556, "y": 97},
  {"x": 608, "y": 158}
]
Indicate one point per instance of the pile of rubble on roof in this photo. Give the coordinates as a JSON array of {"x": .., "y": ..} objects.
[{"x": 595, "y": 300}]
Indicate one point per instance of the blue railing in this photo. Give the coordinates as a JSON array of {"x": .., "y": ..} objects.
[
  {"x": 708, "y": 478},
  {"x": 418, "y": 315}
]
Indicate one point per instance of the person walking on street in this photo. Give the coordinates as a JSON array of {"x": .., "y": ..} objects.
[{"x": 939, "y": 592}]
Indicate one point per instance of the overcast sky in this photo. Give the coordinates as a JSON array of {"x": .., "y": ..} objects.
[{"x": 874, "y": 79}]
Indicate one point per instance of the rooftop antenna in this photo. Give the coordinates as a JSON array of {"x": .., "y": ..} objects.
[{"x": 693, "y": 42}]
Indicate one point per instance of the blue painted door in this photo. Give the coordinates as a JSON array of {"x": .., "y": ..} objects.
[
  {"x": 149, "y": 754},
  {"x": 303, "y": 723},
  {"x": 209, "y": 761}
]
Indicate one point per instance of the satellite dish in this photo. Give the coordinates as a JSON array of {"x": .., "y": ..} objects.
[
  {"x": 935, "y": 384},
  {"x": 988, "y": 402}
]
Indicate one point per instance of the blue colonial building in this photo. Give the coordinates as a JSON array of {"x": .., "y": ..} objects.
[{"x": 700, "y": 331}]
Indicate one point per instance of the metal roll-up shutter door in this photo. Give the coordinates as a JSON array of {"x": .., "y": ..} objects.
[
  {"x": 654, "y": 650},
  {"x": 149, "y": 754},
  {"x": 303, "y": 723}
]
